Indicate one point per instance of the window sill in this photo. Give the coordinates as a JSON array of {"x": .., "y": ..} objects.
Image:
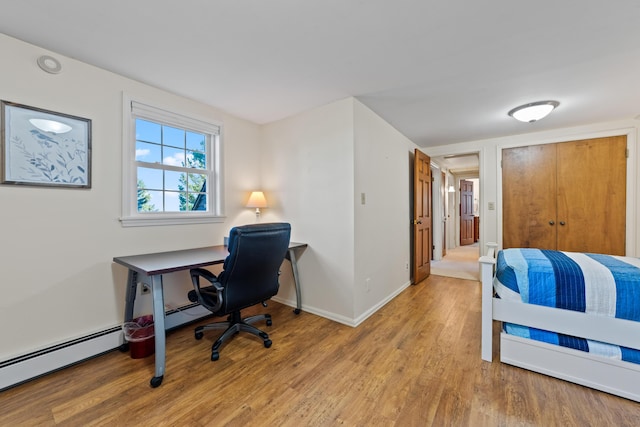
[{"x": 159, "y": 219}]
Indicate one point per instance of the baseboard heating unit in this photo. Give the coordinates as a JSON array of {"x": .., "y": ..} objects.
[{"x": 23, "y": 368}]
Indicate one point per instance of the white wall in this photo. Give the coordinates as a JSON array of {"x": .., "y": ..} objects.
[
  {"x": 308, "y": 167},
  {"x": 491, "y": 173},
  {"x": 316, "y": 165},
  {"x": 58, "y": 281},
  {"x": 383, "y": 163}
]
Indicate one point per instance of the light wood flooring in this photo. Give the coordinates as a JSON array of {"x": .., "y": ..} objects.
[{"x": 416, "y": 362}]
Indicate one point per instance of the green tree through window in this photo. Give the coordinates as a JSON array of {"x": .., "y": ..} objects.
[
  {"x": 194, "y": 184},
  {"x": 144, "y": 199}
]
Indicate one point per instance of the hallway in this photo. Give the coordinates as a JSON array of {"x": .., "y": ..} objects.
[{"x": 461, "y": 263}]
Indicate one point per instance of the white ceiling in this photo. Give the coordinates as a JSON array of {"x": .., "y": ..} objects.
[{"x": 440, "y": 71}]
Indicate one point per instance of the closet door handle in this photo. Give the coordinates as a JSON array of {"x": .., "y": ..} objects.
[
  {"x": 551, "y": 222},
  {"x": 562, "y": 223}
]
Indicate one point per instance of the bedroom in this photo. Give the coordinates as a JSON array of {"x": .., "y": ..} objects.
[{"x": 340, "y": 133}]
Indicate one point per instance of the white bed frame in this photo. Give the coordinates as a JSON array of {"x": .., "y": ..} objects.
[{"x": 611, "y": 376}]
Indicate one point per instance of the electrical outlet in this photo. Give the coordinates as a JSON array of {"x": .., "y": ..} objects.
[
  {"x": 144, "y": 289},
  {"x": 406, "y": 266}
]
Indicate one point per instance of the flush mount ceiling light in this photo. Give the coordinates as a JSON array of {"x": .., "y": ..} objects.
[
  {"x": 49, "y": 64},
  {"x": 534, "y": 111}
]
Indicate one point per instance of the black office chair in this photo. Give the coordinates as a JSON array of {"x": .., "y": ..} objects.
[{"x": 249, "y": 277}]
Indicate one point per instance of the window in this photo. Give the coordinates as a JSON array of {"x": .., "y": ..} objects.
[{"x": 172, "y": 168}]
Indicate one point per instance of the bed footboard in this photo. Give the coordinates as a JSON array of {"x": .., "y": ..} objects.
[{"x": 487, "y": 266}]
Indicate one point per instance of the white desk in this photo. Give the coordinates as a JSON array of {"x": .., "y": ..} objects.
[{"x": 149, "y": 268}]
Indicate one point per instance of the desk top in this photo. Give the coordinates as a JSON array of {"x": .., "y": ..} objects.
[{"x": 185, "y": 259}]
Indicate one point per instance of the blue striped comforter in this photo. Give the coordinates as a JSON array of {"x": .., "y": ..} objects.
[{"x": 591, "y": 283}]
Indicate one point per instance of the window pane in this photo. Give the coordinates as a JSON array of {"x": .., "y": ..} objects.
[
  {"x": 197, "y": 192},
  {"x": 197, "y": 183},
  {"x": 149, "y": 153},
  {"x": 196, "y": 159},
  {"x": 173, "y": 156},
  {"x": 200, "y": 202},
  {"x": 188, "y": 199},
  {"x": 173, "y": 136},
  {"x": 196, "y": 141},
  {"x": 154, "y": 203},
  {"x": 150, "y": 178},
  {"x": 176, "y": 181},
  {"x": 174, "y": 201},
  {"x": 148, "y": 131}
]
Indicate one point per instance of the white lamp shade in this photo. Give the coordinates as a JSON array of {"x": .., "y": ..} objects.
[{"x": 257, "y": 200}]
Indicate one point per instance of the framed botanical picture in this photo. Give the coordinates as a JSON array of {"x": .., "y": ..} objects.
[{"x": 45, "y": 148}]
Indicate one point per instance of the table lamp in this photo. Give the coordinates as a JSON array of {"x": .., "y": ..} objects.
[{"x": 257, "y": 200}]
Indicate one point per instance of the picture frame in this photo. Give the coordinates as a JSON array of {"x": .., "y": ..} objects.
[{"x": 44, "y": 148}]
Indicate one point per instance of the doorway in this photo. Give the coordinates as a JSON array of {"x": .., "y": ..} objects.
[{"x": 460, "y": 238}]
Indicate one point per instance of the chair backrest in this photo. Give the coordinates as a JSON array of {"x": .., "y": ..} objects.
[{"x": 250, "y": 272}]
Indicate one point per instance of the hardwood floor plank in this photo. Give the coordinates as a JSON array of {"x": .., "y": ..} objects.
[{"x": 416, "y": 362}]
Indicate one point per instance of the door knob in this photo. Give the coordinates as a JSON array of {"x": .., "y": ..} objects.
[
  {"x": 416, "y": 222},
  {"x": 562, "y": 223},
  {"x": 551, "y": 222}
]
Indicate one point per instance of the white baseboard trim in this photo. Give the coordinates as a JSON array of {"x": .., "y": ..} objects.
[
  {"x": 343, "y": 319},
  {"x": 318, "y": 312},
  {"x": 33, "y": 365},
  {"x": 364, "y": 316}
]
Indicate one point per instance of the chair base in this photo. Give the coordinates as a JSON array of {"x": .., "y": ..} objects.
[{"x": 232, "y": 326}]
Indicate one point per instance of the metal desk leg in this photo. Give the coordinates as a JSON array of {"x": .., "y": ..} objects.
[
  {"x": 130, "y": 299},
  {"x": 296, "y": 279},
  {"x": 158, "y": 319},
  {"x": 132, "y": 284}
]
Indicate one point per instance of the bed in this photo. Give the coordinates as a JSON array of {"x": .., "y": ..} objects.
[{"x": 572, "y": 316}]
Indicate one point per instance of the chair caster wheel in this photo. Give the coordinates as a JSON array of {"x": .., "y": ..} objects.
[
  {"x": 267, "y": 343},
  {"x": 215, "y": 356},
  {"x": 269, "y": 322},
  {"x": 296, "y": 311},
  {"x": 156, "y": 381},
  {"x": 199, "y": 335}
]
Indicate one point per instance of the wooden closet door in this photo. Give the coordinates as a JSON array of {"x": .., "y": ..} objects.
[
  {"x": 592, "y": 195},
  {"x": 529, "y": 197}
]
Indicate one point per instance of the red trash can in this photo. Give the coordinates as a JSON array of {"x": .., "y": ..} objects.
[{"x": 140, "y": 335}]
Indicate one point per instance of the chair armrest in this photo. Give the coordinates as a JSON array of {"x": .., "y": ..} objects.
[{"x": 210, "y": 296}]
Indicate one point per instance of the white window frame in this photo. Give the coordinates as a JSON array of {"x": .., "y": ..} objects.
[{"x": 133, "y": 110}]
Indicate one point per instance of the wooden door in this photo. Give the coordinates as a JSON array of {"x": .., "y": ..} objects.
[
  {"x": 466, "y": 212},
  {"x": 422, "y": 242},
  {"x": 569, "y": 196},
  {"x": 529, "y": 197},
  {"x": 592, "y": 195}
]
